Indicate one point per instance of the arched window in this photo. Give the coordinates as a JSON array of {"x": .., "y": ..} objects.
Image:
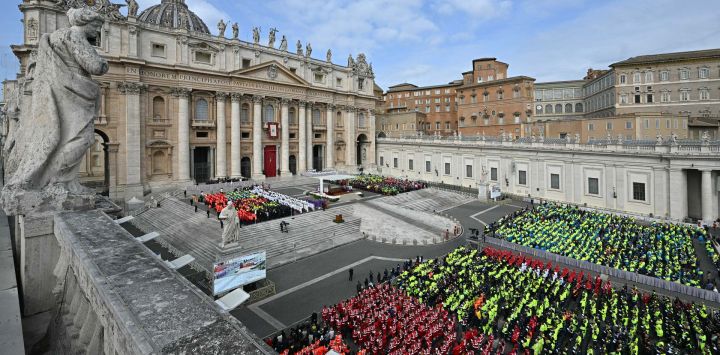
[
  {"x": 158, "y": 108},
  {"x": 558, "y": 108},
  {"x": 316, "y": 119},
  {"x": 269, "y": 114},
  {"x": 292, "y": 116},
  {"x": 245, "y": 113},
  {"x": 548, "y": 108},
  {"x": 568, "y": 108},
  {"x": 361, "y": 119},
  {"x": 579, "y": 107},
  {"x": 201, "y": 110},
  {"x": 158, "y": 162},
  {"x": 539, "y": 110}
]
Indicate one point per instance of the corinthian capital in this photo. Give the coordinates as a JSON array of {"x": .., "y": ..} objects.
[
  {"x": 181, "y": 92},
  {"x": 236, "y": 97},
  {"x": 131, "y": 88},
  {"x": 221, "y": 96},
  {"x": 284, "y": 101},
  {"x": 302, "y": 103},
  {"x": 257, "y": 98}
]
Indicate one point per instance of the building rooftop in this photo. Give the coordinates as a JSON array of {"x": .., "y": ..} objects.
[
  {"x": 669, "y": 57},
  {"x": 412, "y": 87}
]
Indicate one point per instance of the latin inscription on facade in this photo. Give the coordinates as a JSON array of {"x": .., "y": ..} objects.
[{"x": 238, "y": 83}]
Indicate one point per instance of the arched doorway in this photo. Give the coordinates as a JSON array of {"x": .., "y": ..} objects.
[
  {"x": 381, "y": 135},
  {"x": 292, "y": 161},
  {"x": 245, "y": 169},
  {"x": 95, "y": 169},
  {"x": 318, "y": 158},
  {"x": 361, "y": 149}
]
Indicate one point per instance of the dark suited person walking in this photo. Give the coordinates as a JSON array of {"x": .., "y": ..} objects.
[{"x": 351, "y": 273}]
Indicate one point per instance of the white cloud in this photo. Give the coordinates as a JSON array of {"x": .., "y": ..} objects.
[
  {"x": 478, "y": 9},
  {"x": 613, "y": 32},
  {"x": 355, "y": 26}
]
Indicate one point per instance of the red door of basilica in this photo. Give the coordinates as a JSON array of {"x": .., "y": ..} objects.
[{"x": 270, "y": 159}]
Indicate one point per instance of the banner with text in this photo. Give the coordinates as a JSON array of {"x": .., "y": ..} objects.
[{"x": 239, "y": 271}]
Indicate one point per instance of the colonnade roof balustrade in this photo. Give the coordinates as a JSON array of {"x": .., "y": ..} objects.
[{"x": 663, "y": 146}]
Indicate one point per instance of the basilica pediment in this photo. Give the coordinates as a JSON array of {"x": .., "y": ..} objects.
[{"x": 273, "y": 71}]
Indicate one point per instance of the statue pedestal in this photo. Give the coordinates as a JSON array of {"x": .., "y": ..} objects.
[
  {"x": 483, "y": 192},
  {"x": 38, "y": 253}
]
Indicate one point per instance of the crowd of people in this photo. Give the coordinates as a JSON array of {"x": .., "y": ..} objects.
[
  {"x": 254, "y": 203},
  {"x": 662, "y": 250},
  {"x": 384, "y": 320},
  {"x": 526, "y": 305},
  {"x": 308, "y": 338},
  {"x": 388, "y": 186}
]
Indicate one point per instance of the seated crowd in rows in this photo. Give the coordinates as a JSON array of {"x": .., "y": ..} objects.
[
  {"x": 383, "y": 185},
  {"x": 524, "y": 304},
  {"x": 254, "y": 203},
  {"x": 662, "y": 250}
]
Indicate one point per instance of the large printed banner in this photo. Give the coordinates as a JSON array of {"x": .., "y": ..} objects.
[{"x": 239, "y": 271}]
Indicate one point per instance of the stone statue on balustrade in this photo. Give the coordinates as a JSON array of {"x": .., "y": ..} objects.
[
  {"x": 256, "y": 35},
  {"x": 231, "y": 224},
  {"x": 308, "y": 50},
  {"x": 56, "y": 128},
  {"x": 221, "y": 28},
  {"x": 283, "y": 43},
  {"x": 299, "y": 48},
  {"x": 271, "y": 37},
  {"x": 328, "y": 56},
  {"x": 235, "y": 30},
  {"x": 132, "y": 8}
]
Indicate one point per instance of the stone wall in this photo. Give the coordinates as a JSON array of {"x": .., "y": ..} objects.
[{"x": 111, "y": 295}]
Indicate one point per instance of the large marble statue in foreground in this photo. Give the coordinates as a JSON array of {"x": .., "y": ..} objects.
[
  {"x": 231, "y": 227},
  {"x": 43, "y": 155}
]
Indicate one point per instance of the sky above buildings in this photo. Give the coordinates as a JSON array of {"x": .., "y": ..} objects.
[{"x": 429, "y": 42}]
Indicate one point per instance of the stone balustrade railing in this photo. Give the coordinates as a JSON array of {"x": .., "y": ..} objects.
[
  {"x": 680, "y": 147},
  {"x": 108, "y": 294}
]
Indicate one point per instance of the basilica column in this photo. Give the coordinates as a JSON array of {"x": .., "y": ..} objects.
[
  {"x": 371, "y": 150},
  {"x": 350, "y": 160},
  {"x": 257, "y": 173},
  {"x": 133, "y": 148},
  {"x": 221, "y": 169},
  {"x": 302, "y": 138},
  {"x": 235, "y": 135},
  {"x": 285, "y": 144},
  {"x": 330, "y": 143},
  {"x": 183, "y": 148},
  {"x": 707, "y": 196},
  {"x": 309, "y": 130}
]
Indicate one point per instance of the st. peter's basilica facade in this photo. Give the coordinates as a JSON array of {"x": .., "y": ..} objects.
[{"x": 180, "y": 104}]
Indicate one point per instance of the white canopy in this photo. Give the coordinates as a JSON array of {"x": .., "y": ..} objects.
[{"x": 335, "y": 177}]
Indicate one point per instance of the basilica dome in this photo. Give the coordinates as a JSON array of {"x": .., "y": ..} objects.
[{"x": 173, "y": 14}]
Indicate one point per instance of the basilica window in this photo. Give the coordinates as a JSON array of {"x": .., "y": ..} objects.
[
  {"x": 245, "y": 113},
  {"x": 319, "y": 77},
  {"x": 158, "y": 50},
  {"x": 203, "y": 57},
  {"x": 361, "y": 120},
  {"x": 316, "y": 119},
  {"x": 548, "y": 109},
  {"x": 158, "y": 108},
  {"x": 703, "y": 73},
  {"x": 558, "y": 108},
  {"x": 292, "y": 116},
  {"x": 568, "y": 108},
  {"x": 269, "y": 114},
  {"x": 201, "y": 110},
  {"x": 338, "y": 119}
]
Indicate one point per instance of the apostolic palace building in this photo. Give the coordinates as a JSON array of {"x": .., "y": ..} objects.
[{"x": 181, "y": 104}]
